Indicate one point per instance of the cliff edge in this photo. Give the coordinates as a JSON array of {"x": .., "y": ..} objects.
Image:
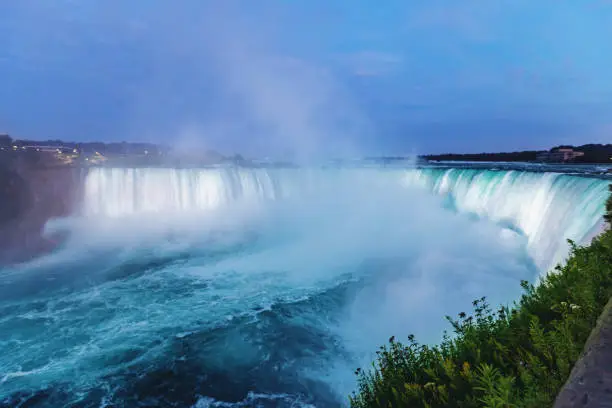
[{"x": 30, "y": 195}]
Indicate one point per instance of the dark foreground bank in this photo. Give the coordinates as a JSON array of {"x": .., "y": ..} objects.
[
  {"x": 590, "y": 383},
  {"x": 30, "y": 195},
  {"x": 513, "y": 357}
]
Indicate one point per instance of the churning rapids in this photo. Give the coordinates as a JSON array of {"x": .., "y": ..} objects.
[{"x": 268, "y": 287}]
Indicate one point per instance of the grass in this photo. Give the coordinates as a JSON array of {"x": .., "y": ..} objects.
[{"x": 510, "y": 357}]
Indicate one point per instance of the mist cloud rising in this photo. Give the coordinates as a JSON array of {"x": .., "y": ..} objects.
[
  {"x": 261, "y": 98},
  {"x": 220, "y": 75}
]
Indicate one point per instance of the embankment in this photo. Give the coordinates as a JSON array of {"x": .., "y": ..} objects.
[{"x": 29, "y": 197}]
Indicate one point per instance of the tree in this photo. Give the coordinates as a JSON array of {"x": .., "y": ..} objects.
[
  {"x": 5, "y": 140},
  {"x": 608, "y": 214}
]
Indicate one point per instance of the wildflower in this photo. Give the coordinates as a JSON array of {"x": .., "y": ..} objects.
[{"x": 466, "y": 369}]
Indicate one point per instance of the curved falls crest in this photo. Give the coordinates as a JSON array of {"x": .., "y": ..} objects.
[{"x": 548, "y": 208}]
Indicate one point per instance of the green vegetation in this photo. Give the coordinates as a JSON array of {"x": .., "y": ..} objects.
[
  {"x": 608, "y": 214},
  {"x": 513, "y": 357},
  {"x": 593, "y": 153}
]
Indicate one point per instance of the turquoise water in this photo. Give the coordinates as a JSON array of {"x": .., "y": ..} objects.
[{"x": 268, "y": 287}]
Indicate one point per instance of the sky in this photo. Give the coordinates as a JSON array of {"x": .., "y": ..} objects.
[{"x": 307, "y": 77}]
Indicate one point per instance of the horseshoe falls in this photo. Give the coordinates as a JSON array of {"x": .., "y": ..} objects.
[
  {"x": 240, "y": 287},
  {"x": 548, "y": 208}
]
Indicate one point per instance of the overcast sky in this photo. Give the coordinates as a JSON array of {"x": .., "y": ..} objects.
[{"x": 309, "y": 76}]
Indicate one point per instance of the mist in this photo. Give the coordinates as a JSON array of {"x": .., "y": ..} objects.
[{"x": 263, "y": 96}]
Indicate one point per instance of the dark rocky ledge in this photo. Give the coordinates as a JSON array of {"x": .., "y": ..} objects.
[
  {"x": 30, "y": 195},
  {"x": 590, "y": 382}
]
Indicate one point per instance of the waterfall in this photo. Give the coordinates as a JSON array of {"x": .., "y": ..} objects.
[
  {"x": 124, "y": 191},
  {"x": 548, "y": 208}
]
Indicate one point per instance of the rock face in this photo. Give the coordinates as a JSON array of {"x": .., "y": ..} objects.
[
  {"x": 590, "y": 383},
  {"x": 14, "y": 195},
  {"x": 30, "y": 195}
]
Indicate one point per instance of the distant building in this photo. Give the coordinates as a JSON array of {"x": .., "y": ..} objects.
[{"x": 559, "y": 155}]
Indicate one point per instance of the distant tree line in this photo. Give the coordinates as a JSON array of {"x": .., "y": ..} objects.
[
  {"x": 5, "y": 140},
  {"x": 104, "y": 148},
  {"x": 593, "y": 153},
  {"x": 115, "y": 153},
  {"x": 524, "y": 156},
  {"x": 108, "y": 148}
]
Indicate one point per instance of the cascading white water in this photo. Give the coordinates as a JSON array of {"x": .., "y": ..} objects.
[
  {"x": 548, "y": 208},
  {"x": 116, "y": 192}
]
